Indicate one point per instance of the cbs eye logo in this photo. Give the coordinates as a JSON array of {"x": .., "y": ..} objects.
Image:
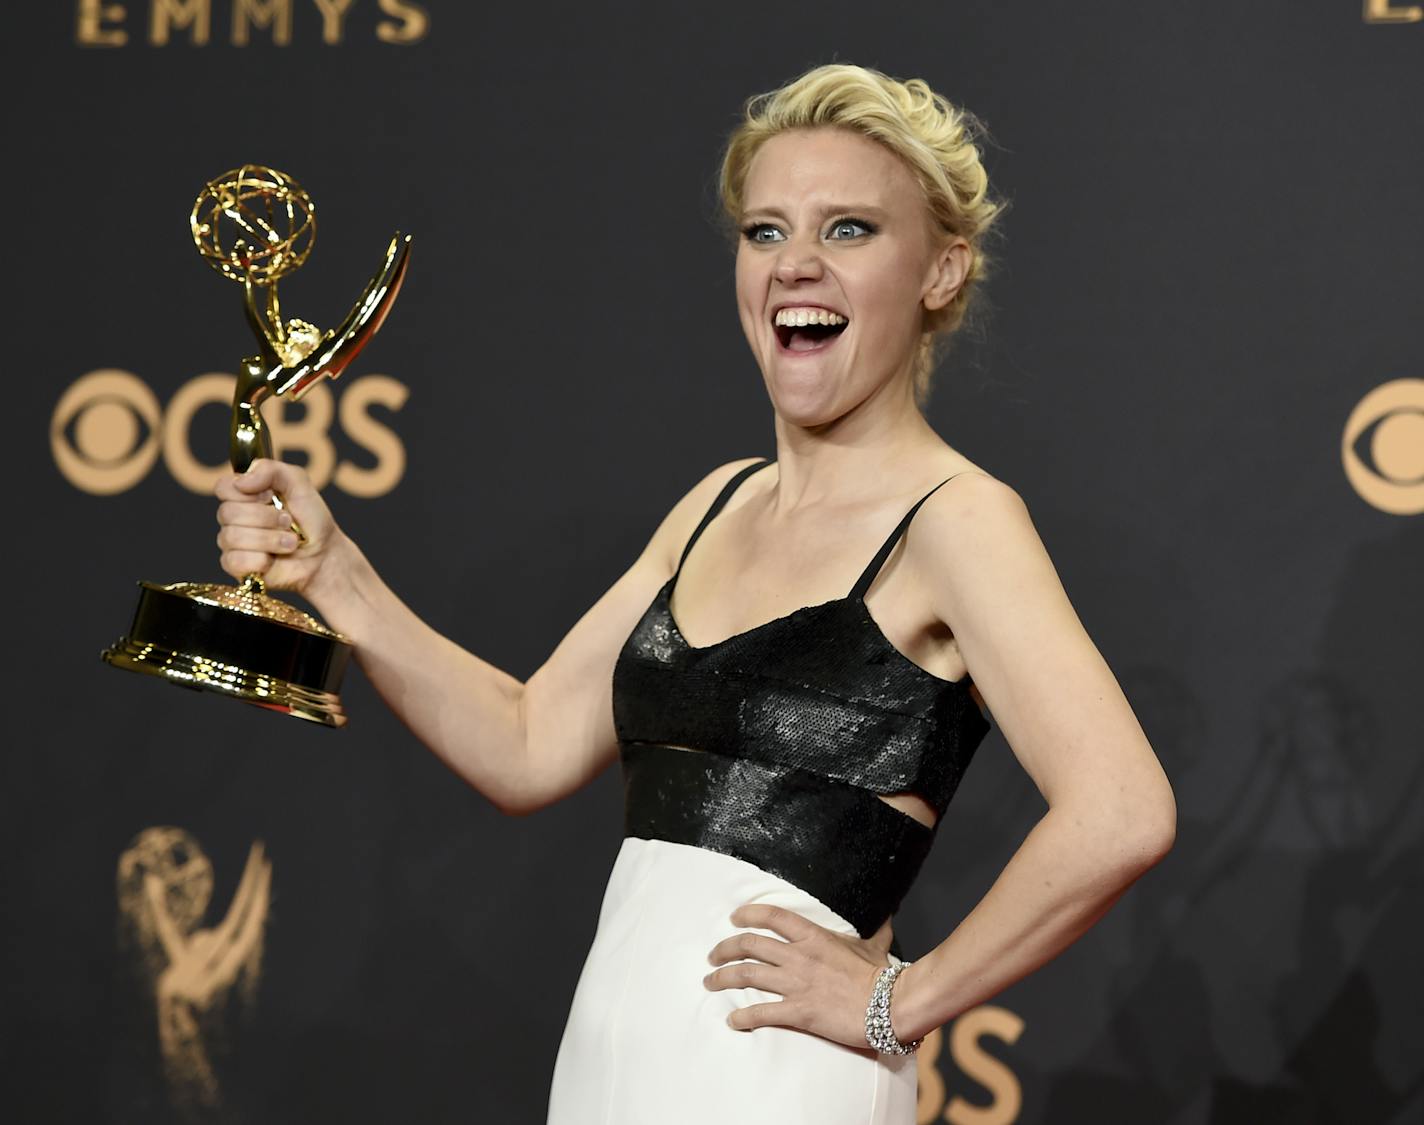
[
  {"x": 1383, "y": 447},
  {"x": 108, "y": 431}
]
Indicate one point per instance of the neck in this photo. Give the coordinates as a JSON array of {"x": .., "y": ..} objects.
[{"x": 852, "y": 458}]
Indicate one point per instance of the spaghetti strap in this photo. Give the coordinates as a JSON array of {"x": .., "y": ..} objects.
[
  {"x": 868, "y": 575},
  {"x": 722, "y": 498}
]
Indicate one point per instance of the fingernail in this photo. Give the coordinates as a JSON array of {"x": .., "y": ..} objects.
[{"x": 287, "y": 541}]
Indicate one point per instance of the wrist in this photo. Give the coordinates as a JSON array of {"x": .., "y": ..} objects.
[
  {"x": 880, "y": 1026},
  {"x": 910, "y": 1018},
  {"x": 334, "y": 585}
]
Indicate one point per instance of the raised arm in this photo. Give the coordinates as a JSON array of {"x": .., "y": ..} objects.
[{"x": 521, "y": 744}]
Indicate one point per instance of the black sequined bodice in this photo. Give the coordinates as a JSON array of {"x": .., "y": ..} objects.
[{"x": 774, "y": 745}]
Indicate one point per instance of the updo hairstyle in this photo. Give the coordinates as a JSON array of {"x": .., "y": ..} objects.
[{"x": 935, "y": 139}]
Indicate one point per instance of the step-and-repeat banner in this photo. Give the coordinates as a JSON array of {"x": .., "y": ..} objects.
[{"x": 1201, "y": 365}]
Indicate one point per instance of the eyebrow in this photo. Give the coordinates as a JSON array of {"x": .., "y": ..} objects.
[{"x": 824, "y": 211}]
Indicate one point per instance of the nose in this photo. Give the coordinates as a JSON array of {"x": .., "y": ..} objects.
[{"x": 798, "y": 261}]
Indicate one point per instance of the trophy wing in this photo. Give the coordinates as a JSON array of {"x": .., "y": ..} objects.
[{"x": 363, "y": 321}]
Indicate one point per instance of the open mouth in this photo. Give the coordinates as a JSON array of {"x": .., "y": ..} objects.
[{"x": 807, "y": 329}]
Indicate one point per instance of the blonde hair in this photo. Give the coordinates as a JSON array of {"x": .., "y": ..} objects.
[{"x": 935, "y": 139}]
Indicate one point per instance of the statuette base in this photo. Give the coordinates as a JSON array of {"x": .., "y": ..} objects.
[{"x": 239, "y": 642}]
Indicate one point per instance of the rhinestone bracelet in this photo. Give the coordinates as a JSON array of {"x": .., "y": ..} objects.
[{"x": 878, "y": 1032}]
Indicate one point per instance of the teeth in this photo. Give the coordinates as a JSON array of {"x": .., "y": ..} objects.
[{"x": 799, "y": 318}]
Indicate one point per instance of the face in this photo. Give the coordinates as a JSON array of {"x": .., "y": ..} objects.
[{"x": 836, "y": 264}]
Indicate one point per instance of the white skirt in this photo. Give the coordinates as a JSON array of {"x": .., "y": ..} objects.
[{"x": 647, "y": 1044}]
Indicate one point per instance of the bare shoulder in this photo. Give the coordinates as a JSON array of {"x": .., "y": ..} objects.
[
  {"x": 1051, "y": 692},
  {"x": 971, "y": 513},
  {"x": 989, "y": 579},
  {"x": 677, "y": 526},
  {"x": 975, "y": 543},
  {"x": 974, "y": 493}
]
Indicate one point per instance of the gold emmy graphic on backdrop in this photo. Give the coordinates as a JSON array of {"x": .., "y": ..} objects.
[
  {"x": 165, "y": 886},
  {"x": 255, "y": 225}
]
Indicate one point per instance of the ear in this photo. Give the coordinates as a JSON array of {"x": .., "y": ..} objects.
[{"x": 946, "y": 273}]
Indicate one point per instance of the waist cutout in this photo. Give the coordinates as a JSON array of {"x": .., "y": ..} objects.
[{"x": 839, "y": 843}]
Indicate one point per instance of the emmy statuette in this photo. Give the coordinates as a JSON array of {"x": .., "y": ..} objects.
[{"x": 255, "y": 225}]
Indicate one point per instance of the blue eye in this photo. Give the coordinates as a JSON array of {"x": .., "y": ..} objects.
[
  {"x": 849, "y": 228},
  {"x": 762, "y": 232}
]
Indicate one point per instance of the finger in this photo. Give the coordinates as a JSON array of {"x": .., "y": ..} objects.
[
  {"x": 265, "y": 473},
  {"x": 778, "y": 1013},
  {"x": 246, "y": 513},
  {"x": 240, "y": 564},
  {"x": 745, "y": 974},
  {"x": 227, "y": 489},
  {"x": 763, "y": 916},
  {"x": 747, "y": 945},
  {"x": 268, "y": 540}
]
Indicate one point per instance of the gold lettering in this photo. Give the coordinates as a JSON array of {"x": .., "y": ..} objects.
[
  {"x": 412, "y": 28},
  {"x": 333, "y": 15},
  {"x": 1387, "y": 467},
  {"x": 166, "y": 14},
  {"x": 929, "y": 1089},
  {"x": 306, "y": 431},
  {"x": 97, "y": 431},
  {"x": 192, "y": 396},
  {"x": 983, "y": 1068},
  {"x": 108, "y": 430},
  {"x": 89, "y": 29},
  {"x": 376, "y": 439},
  {"x": 276, "y": 14},
  {"x": 1383, "y": 11}
]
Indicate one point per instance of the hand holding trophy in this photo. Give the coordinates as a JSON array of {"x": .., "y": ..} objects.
[{"x": 255, "y": 225}]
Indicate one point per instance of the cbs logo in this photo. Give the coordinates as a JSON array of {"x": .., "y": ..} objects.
[
  {"x": 1383, "y": 447},
  {"x": 966, "y": 1050},
  {"x": 108, "y": 430}
]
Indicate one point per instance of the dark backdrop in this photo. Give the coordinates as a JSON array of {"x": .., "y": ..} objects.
[{"x": 1211, "y": 265}]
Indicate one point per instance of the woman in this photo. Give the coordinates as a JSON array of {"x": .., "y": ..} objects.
[{"x": 792, "y": 707}]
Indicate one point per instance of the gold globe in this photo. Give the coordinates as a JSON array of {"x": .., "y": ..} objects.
[{"x": 254, "y": 224}]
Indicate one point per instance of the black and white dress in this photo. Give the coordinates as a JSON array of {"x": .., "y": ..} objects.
[{"x": 754, "y": 770}]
